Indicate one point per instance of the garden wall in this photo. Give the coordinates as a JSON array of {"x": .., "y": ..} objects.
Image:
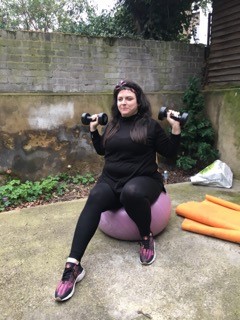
[
  {"x": 48, "y": 80},
  {"x": 223, "y": 108},
  {"x": 52, "y": 62}
]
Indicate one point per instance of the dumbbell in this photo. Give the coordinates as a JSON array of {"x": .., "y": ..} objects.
[
  {"x": 182, "y": 118},
  {"x": 102, "y": 118}
]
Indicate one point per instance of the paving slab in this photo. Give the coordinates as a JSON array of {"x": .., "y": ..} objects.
[{"x": 194, "y": 277}]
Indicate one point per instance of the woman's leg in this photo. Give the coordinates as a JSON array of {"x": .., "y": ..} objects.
[
  {"x": 137, "y": 196},
  {"x": 101, "y": 198}
]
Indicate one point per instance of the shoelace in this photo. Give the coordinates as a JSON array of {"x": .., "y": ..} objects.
[
  {"x": 145, "y": 243},
  {"x": 67, "y": 274}
]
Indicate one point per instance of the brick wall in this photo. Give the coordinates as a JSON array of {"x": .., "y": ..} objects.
[{"x": 33, "y": 62}]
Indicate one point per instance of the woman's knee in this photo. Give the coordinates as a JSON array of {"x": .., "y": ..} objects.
[
  {"x": 99, "y": 192},
  {"x": 141, "y": 189},
  {"x": 132, "y": 192}
]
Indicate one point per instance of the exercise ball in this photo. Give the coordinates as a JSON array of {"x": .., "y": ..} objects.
[{"x": 119, "y": 225}]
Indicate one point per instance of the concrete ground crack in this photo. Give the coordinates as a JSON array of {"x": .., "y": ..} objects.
[{"x": 144, "y": 314}]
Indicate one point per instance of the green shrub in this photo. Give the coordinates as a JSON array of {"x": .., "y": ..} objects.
[
  {"x": 198, "y": 138},
  {"x": 15, "y": 192}
]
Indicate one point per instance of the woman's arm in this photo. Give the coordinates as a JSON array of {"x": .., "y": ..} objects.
[
  {"x": 97, "y": 139},
  {"x": 167, "y": 145}
]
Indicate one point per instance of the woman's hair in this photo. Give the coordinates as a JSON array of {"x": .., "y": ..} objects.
[{"x": 138, "y": 132}]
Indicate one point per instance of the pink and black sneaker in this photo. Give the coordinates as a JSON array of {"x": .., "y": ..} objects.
[
  {"x": 72, "y": 274},
  {"x": 147, "y": 250}
]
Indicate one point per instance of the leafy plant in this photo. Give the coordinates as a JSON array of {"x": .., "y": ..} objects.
[
  {"x": 161, "y": 19},
  {"x": 198, "y": 137},
  {"x": 42, "y": 15},
  {"x": 77, "y": 179},
  {"x": 15, "y": 192},
  {"x": 155, "y": 19}
]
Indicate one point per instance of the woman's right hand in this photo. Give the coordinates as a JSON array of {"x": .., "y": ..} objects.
[{"x": 94, "y": 123}]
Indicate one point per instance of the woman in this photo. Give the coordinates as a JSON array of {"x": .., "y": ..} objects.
[{"x": 129, "y": 179}]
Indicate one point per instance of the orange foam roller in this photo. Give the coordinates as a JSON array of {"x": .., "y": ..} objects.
[
  {"x": 223, "y": 203},
  {"x": 211, "y": 214},
  {"x": 213, "y": 217},
  {"x": 220, "y": 233}
]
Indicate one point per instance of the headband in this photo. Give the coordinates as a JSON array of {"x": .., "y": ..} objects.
[{"x": 123, "y": 85}]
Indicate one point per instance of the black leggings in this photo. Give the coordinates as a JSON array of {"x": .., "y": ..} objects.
[{"x": 136, "y": 197}]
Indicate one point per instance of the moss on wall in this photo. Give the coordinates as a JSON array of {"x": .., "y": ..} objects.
[
  {"x": 223, "y": 108},
  {"x": 231, "y": 102}
]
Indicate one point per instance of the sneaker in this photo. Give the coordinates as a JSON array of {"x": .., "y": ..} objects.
[
  {"x": 147, "y": 250},
  {"x": 72, "y": 274}
]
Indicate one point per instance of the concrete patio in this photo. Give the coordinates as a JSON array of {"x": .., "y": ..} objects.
[{"x": 193, "y": 278}]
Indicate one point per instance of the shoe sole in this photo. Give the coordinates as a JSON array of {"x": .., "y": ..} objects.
[
  {"x": 78, "y": 279},
  {"x": 150, "y": 262}
]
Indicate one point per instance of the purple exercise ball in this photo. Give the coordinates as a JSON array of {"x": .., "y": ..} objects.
[{"x": 119, "y": 225}]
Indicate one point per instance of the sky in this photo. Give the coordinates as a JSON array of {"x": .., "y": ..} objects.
[{"x": 104, "y": 4}]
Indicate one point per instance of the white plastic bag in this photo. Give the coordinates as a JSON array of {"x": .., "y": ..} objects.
[{"x": 217, "y": 174}]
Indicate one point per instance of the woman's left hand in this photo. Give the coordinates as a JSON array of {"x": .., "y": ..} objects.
[{"x": 176, "y": 128}]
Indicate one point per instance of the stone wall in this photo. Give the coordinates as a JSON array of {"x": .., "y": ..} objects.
[
  {"x": 50, "y": 62},
  {"x": 42, "y": 134},
  {"x": 48, "y": 80}
]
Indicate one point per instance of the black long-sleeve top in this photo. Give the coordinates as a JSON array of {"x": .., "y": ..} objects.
[{"x": 125, "y": 159}]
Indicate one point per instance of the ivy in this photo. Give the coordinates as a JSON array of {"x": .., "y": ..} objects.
[{"x": 198, "y": 137}]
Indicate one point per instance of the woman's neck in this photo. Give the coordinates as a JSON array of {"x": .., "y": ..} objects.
[{"x": 130, "y": 118}]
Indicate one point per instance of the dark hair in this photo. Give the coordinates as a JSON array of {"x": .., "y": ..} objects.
[{"x": 139, "y": 131}]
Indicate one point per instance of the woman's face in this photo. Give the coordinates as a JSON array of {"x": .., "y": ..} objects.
[{"x": 127, "y": 103}]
